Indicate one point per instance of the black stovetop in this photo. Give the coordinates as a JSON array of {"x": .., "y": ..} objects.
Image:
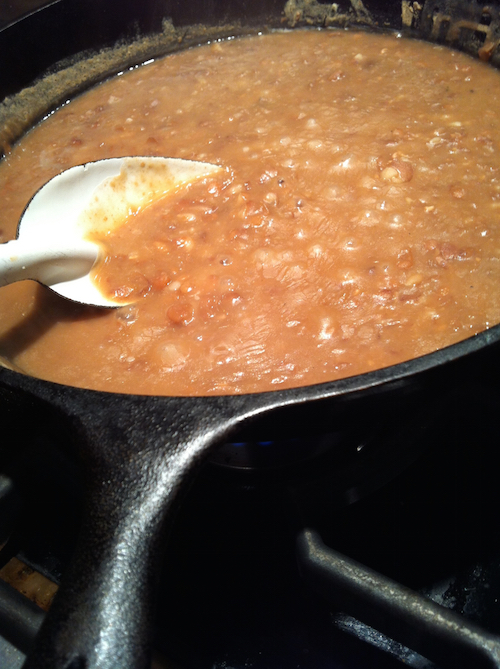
[
  {"x": 231, "y": 595},
  {"x": 233, "y": 575}
]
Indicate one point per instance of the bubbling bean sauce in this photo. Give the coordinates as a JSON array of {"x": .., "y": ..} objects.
[{"x": 356, "y": 224}]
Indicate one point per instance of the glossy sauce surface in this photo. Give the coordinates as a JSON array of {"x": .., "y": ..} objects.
[{"x": 356, "y": 224}]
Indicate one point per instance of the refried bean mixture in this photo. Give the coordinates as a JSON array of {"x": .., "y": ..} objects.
[{"x": 355, "y": 225}]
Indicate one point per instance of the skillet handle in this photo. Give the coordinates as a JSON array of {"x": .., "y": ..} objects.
[{"x": 101, "y": 618}]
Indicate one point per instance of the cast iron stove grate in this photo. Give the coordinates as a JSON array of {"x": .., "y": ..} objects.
[{"x": 231, "y": 593}]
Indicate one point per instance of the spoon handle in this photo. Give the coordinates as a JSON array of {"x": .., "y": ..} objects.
[{"x": 48, "y": 262}]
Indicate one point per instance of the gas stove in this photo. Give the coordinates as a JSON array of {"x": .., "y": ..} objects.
[
  {"x": 410, "y": 500},
  {"x": 410, "y": 496}
]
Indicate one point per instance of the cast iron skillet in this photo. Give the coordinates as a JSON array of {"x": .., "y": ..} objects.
[{"x": 138, "y": 454}]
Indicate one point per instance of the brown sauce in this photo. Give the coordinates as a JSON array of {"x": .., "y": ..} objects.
[{"x": 357, "y": 225}]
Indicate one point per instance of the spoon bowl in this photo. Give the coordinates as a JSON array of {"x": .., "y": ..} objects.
[{"x": 53, "y": 244}]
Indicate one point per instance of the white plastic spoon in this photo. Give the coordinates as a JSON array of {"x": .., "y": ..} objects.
[{"x": 52, "y": 245}]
